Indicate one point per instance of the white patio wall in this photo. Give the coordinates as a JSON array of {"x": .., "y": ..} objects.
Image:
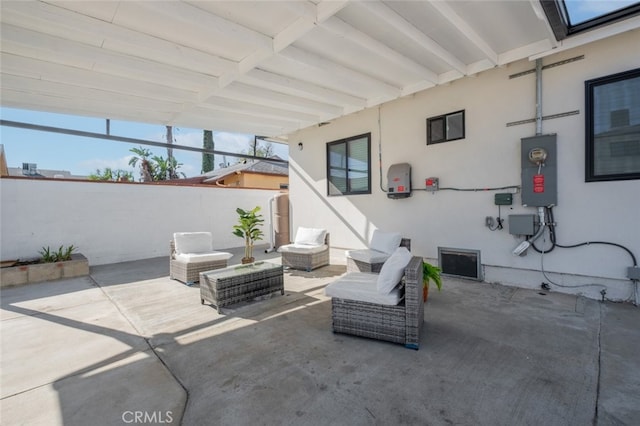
[
  {"x": 112, "y": 223},
  {"x": 489, "y": 156}
]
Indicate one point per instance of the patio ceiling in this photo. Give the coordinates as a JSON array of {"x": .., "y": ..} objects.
[{"x": 260, "y": 67}]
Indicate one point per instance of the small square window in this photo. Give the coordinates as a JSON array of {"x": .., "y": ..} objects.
[
  {"x": 349, "y": 166},
  {"x": 444, "y": 128}
]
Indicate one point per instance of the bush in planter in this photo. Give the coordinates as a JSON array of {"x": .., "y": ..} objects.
[
  {"x": 63, "y": 254},
  {"x": 430, "y": 273},
  {"x": 249, "y": 223}
]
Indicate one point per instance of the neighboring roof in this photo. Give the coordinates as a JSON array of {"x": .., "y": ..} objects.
[
  {"x": 261, "y": 166},
  {"x": 43, "y": 173},
  {"x": 259, "y": 67}
]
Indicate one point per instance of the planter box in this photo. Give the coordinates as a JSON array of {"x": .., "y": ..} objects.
[{"x": 25, "y": 274}]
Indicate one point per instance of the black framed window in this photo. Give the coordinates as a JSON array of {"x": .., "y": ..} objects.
[
  {"x": 613, "y": 127},
  {"x": 349, "y": 166},
  {"x": 445, "y": 128}
]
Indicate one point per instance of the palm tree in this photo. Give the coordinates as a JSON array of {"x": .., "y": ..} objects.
[{"x": 146, "y": 168}]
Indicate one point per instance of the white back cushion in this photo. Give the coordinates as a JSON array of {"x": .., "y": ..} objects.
[
  {"x": 193, "y": 242},
  {"x": 393, "y": 269},
  {"x": 386, "y": 242},
  {"x": 310, "y": 236}
]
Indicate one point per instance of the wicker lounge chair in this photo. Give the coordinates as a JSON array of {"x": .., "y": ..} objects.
[
  {"x": 381, "y": 246},
  {"x": 192, "y": 253},
  {"x": 400, "y": 323},
  {"x": 310, "y": 250}
]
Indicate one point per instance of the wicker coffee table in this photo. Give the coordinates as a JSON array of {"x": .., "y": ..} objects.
[{"x": 233, "y": 284}]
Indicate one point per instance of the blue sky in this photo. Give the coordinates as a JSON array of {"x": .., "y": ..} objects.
[
  {"x": 583, "y": 10},
  {"x": 82, "y": 156}
]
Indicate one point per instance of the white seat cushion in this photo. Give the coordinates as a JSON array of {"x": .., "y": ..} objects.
[
  {"x": 367, "y": 256},
  {"x": 386, "y": 242},
  {"x": 193, "y": 242},
  {"x": 310, "y": 236},
  {"x": 302, "y": 248},
  {"x": 361, "y": 286},
  {"x": 203, "y": 257},
  {"x": 393, "y": 270}
]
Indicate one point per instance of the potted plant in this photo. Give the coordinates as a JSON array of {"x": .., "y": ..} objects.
[
  {"x": 248, "y": 227},
  {"x": 430, "y": 273}
]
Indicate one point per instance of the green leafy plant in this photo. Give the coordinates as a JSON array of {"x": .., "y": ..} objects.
[
  {"x": 111, "y": 175},
  {"x": 430, "y": 273},
  {"x": 248, "y": 227},
  {"x": 61, "y": 255}
]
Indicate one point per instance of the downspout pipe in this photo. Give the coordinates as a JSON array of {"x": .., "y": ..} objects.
[{"x": 271, "y": 237}]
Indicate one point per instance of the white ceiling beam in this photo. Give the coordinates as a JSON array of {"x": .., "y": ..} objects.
[
  {"x": 240, "y": 117},
  {"x": 401, "y": 25},
  {"x": 28, "y": 43},
  {"x": 56, "y": 73},
  {"x": 339, "y": 71},
  {"x": 266, "y": 97},
  {"x": 26, "y": 101},
  {"x": 194, "y": 16},
  {"x": 311, "y": 16},
  {"x": 537, "y": 9},
  {"x": 239, "y": 125},
  {"x": 340, "y": 28},
  {"x": 328, "y": 8},
  {"x": 465, "y": 29},
  {"x": 87, "y": 94},
  {"x": 218, "y": 103},
  {"x": 522, "y": 52},
  {"x": 284, "y": 38},
  {"x": 301, "y": 88},
  {"x": 56, "y": 21}
]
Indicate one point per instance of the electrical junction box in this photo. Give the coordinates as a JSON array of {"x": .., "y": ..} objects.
[
  {"x": 503, "y": 199},
  {"x": 633, "y": 273},
  {"x": 522, "y": 224},
  {"x": 432, "y": 184},
  {"x": 399, "y": 180}
]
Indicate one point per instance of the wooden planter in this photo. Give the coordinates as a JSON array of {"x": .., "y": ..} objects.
[{"x": 25, "y": 274}]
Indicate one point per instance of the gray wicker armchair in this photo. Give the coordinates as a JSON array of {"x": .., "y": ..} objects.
[
  {"x": 401, "y": 323},
  {"x": 306, "y": 256},
  {"x": 192, "y": 253},
  {"x": 380, "y": 248}
]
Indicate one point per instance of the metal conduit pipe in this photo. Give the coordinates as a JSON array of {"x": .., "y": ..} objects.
[{"x": 538, "y": 96}]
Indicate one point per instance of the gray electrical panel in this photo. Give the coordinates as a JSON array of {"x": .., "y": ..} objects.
[
  {"x": 539, "y": 163},
  {"x": 399, "y": 181},
  {"x": 523, "y": 224}
]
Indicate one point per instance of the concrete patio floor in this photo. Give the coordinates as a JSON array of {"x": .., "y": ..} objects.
[{"x": 127, "y": 345}]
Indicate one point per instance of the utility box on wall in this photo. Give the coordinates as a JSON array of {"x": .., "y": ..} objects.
[
  {"x": 539, "y": 161},
  {"x": 399, "y": 181}
]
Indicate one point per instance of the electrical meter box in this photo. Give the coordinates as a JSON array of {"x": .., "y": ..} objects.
[
  {"x": 399, "y": 181},
  {"x": 539, "y": 171}
]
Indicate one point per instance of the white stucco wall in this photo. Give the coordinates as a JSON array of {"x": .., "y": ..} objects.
[
  {"x": 489, "y": 156},
  {"x": 112, "y": 223}
]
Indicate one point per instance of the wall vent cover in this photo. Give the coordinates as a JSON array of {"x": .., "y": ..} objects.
[{"x": 462, "y": 263}]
